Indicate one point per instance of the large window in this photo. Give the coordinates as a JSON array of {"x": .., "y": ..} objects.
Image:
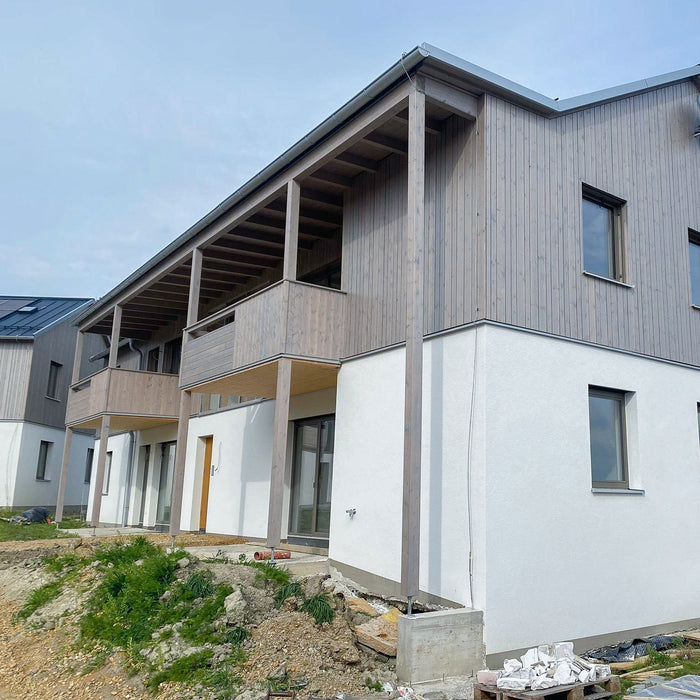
[
  {"x": 606, "y": 409},
  {"x": 88, "y": 464},
  {"x": 107, "y": 475},
  {"x": 694, "y": 255},
  {"x": 44, "y": 450},
  {"x": 52, "y": 384},
  {"x": 602, "y": 234}
]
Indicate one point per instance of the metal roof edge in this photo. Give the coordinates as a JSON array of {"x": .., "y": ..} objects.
[
  {"x": 388, "y": 78},
  {"x": 500, "y": 85}
]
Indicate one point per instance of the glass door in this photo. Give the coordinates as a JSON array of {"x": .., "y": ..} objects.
[
  {"x": 165, "y": 482},
  {"x": 312, "y": 478}
]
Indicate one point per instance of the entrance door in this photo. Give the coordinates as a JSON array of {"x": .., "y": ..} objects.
[
  {"x": 165, "y": 483},
  {"x": 312, "y": 478},
  {"x": 206, "y": 475}
]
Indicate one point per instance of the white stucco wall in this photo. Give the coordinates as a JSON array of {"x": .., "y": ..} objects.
[
  {"x": 19, "y": 454},
  {"x": 368, "y": 472},
  {"x": 112, "y": 506},
  {"x": 239, "y": 488},
  {"x": 563, "y": 562}
]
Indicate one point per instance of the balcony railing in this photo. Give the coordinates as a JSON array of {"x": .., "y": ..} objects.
[
  {"x": 288, "y": 318},
  {"x": 123, "y": 392}
]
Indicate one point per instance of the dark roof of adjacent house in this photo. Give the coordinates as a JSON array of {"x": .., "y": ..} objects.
[{"x": 27, "y": 317}]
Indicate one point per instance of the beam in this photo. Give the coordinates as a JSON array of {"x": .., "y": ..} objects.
[
  {"x": 180, "y": 456},
  {"x": 451, "y": 98},
  {"x": 195, "y": 280},
  {"x": 329, "y": 218},
  {"x": 413, "y": 400},
  {"x": 114, "y": 338},
  {"x": 432, "y": 126},
  {"x": 65, "y": 460},
  {"x": 291, "y": 231},
  {"x": 77, "y": 357},
  {"x": 230, "y": 244},
  {"x": 325, "y": 198},
  {"x": 387, "y": 143},
  {"x": 332, "y": 178},
  {"x": 100, "y": 471},
  {"x": 366, "y": 164},
  {"x": 279, "y": 452}
]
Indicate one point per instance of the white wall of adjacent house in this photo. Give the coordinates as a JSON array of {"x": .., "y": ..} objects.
[
  {"x": 563, "y": 562},
  {"x": 239, "y": 487},
  {"x": 368, "y": 474},
  {"x": 114, "y": 481},
  {"x": 20, "y": 445}
]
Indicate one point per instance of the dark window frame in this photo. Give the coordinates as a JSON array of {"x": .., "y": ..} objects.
[
  {"x": 52, "y": 381},
  {"x": 617, "y": 208},
  {"x": 620, "y": 397},
  {"x": 107, "y": 473},
  {"x": 89, "y": 457},
  {"x": 693, "y": 240},
  {"x": 43, "y": 459}
]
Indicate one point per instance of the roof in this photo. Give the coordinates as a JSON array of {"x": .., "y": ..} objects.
[
  {"x": 27, "y": 317},
  {"x": 473, "y": 76}
]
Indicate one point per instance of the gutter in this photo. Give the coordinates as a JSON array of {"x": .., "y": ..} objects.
[{"x": 391, "y": 76}]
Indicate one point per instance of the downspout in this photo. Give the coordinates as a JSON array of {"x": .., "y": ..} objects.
[{"x": 132, "y": 449}]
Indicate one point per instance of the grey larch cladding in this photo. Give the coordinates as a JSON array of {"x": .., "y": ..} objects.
[
  {"x": 15, "y": 366},
  {"x": 639, "y": 149}
]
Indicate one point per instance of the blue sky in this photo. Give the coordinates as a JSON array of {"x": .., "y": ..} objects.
[{"x": 123, "y": 123}]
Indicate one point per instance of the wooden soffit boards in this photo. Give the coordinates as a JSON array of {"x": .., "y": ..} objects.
[
  {"x": 261, "y": 381},
  {"x": 119, "y": 423}
]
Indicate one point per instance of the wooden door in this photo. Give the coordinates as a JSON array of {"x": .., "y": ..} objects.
[{"x": 206, "y": 476}]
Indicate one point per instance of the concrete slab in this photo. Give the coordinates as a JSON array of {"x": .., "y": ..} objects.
[
  {"x": 437, "y": 645},
  {"x": 108, "y": 531}
]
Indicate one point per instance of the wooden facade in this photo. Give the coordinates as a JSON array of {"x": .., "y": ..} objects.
[{"x": 15, "y": 367}]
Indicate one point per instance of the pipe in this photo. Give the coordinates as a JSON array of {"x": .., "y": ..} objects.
[
  {"x": 272, "y": 555},
  {"x": 141, "y": 353}
]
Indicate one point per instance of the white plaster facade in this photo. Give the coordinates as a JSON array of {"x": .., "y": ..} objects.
[{"x": 19, "y": 454}]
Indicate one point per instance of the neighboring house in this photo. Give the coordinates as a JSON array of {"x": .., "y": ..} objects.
[
  {"x": 37, "y": 347},
  {"x": 452, "y": 337}
]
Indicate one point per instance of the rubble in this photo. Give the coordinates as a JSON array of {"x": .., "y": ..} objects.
[{"x": 381, "y": 633}]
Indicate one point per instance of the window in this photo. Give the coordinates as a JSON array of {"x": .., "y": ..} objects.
[
  {"x": 108, "y": 473},
  {"x": 694, "y": 255},
  {"x": 606, "y": 409},
  {"x": 44, "y": 449},
  {"x": 153, "y": 357},
  {"x": 88, "y": 464},
  {"x": 52, "y": 386},
  {"x": 602, "y": 233},
  {"x": 173, "y": 351}
]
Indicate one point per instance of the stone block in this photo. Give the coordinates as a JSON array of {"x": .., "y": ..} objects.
[{"x": 446, "y": 643}]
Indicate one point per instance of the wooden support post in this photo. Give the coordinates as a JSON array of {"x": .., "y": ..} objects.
[
  {"x": 291, "y": 231},
  {"x": 279, "y": 452},
  {"x": 114, "y": 340},
  {"x": 100, "y": 472},
  {"x": 183, "y": 423},
  {"x": 60, "y": 499},
  {"x": 77, "y": 358},
  {"x": 195, "y": 283},
  {"x": 415, "y": 240}
]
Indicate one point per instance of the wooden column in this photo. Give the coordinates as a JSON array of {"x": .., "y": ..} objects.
[
  {"x": 75, "y": 376},
  {"x": 415, "y": 239},
  {"x": 291, "y": 231},
  {"x": 183, "y": 421},
  {"x": 114, "y": 340},
  {"x": 279, "y": 452},
  {"x": 100, "y": 473},
  {"x": 60, "y": 499}
]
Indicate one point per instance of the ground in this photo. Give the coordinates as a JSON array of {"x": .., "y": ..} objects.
[{"x": 284, "y": 645}]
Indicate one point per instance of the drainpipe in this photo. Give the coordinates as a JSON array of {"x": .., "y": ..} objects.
[{"x": 133, "y": 348}]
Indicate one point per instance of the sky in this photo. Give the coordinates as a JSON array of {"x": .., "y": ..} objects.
[{"x": 123, "y": 123}]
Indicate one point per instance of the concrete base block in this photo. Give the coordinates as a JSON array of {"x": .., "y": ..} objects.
[{"x": 440, "y": 645}]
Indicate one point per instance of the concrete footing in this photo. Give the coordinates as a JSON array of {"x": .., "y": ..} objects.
[{"x": 439, "y": 645}]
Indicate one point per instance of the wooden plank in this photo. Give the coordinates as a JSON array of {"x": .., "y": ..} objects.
[
  {"x": 195, "y": 283},
  {"x": 114, "y": 337},
  {"x": 180, "y": 458},
  {"x": 279, "y": 452},
  {"x": 415, "y": 241},
  {"x": 451, "y": 98},
  {"x": 291, "y": 231},
  {"x": 63, "y": 478},
  {"x": 100, "y": 472}
]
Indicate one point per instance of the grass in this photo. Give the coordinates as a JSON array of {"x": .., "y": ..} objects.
[
  {"x": 39, "y": 597},
  {"x": 12, "y": 532},
  {"x": 292, "y": 589},
  {"x": 319, "y": 607}
]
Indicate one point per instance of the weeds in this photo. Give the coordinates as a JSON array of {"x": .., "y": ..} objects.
[
  {"x": 292, "y": 589},
  {"x": 236, "y": 635},
  {"x": 39, "y": 597},
  {"x": 319, "y": 607},
  {"x": 199, "y": 584}
]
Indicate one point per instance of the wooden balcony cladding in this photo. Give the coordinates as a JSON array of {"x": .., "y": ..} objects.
[
  {"x": 123, "y": 392},
  {"x": 288, "y": 318}
]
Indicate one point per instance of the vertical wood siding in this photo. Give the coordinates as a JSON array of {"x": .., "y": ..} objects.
[
  {"x": 639, "y": 149},
  {"x": 15, "y": 366}
]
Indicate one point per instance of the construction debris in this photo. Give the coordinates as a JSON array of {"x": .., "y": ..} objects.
[
  {"x": 381, "y": 633},
  {"x": 631, "y": 651},
  {"x": 683, "y": 687},
  {"x": 542, "y": 667}
]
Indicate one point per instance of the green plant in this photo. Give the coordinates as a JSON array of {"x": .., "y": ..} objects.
[
  {"x": 270, "y": 572},
  {"x": 236, "y": 635},
  {"x": 288, "y": 590},
  {"x": 373, "y": 685},
  {"x": 184, "y": 669},
  {"x": 199, "y": 584},
  {"x": 319, "y": 607},
  {"x": 39, "y": 597}
]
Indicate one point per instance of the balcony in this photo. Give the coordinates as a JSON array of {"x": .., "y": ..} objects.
[
  {"x": 134, "y": 400},
  {"x": 234, "y": 351}
]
